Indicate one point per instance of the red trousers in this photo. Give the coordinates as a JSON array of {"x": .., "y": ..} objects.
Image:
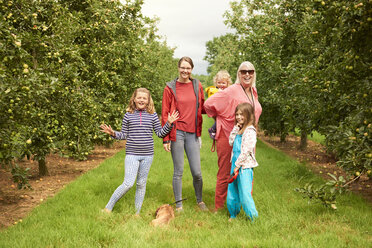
[{"x": 224, "y": 167}]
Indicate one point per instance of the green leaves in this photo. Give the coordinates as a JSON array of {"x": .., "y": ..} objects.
[
  {"x": 313, "y": 68},
  {"x": 351, "y": 142},
  {"x": 325, "y": 193},
  {"x": 20, "y": 177},
  {"x": 68, "y": 66}
]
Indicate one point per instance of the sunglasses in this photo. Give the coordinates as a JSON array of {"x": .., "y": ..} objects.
[{"x": 250, "y": 72}]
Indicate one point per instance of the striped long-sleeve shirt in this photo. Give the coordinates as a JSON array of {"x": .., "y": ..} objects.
[{"x": 137, "y": 130}]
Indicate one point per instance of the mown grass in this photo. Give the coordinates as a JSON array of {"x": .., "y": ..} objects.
[{"x": 73, "y": 217}]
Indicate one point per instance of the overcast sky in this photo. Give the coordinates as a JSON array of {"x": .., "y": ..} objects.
[{"x": 188, "y": 25}]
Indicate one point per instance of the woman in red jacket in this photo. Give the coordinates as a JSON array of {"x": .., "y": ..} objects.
[{"x": 186, "y": 95}]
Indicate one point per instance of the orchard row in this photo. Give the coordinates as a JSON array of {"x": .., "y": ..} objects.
[
  {"x": 66, "y": 67},
  {"x": 313, "y": 61}
]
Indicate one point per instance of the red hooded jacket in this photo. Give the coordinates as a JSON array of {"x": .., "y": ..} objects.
[{"x": 169, "y": 104}]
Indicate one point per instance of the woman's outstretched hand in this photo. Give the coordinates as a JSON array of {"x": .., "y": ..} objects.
[
  {"x": 107, "y": 129},
  {"x": 173, "y": 117}
]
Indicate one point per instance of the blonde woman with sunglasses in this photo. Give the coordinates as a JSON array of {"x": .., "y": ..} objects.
[{"x": 222, "y": 106}]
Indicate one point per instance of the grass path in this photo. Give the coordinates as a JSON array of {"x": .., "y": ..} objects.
[{"x": 73, "y": 218}]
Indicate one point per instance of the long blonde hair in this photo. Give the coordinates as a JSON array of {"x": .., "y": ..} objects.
[
  {"x": 250, "y": 67},
  {"x": 248, "y": 113},
  {"x": 132, "y": 105}
]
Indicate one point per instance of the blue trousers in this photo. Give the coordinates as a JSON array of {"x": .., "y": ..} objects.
[{"x": 239, "y": 192}]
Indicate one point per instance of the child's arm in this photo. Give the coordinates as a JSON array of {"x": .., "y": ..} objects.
[
  {"x": 247, "y": 149},
  {"x": 233, "y": 134},
  {"x": 165, "y": 110},
  {"x": 161, "y": 132},
  {"x": 122, "y": 135}
]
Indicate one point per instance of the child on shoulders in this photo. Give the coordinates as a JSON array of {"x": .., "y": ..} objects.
[{"x": 221, "y": 81}]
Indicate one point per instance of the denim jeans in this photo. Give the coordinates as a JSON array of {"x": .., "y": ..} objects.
[{"x": 189, "y": 143}]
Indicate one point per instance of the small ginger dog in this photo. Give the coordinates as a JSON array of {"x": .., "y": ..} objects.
[{"x": 164, "y": 214}]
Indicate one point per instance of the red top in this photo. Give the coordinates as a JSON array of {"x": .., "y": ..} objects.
[
  {"x": 170, "y": 103},
  {"x": 186, "y": 107}
]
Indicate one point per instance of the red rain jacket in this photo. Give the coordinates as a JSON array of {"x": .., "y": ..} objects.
[{"x": 169, "y": 104}]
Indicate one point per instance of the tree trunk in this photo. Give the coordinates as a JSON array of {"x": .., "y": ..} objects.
[
  {"x": 282, "y": 137},
  {"x": 303, "y": 142},
  {"x": 283, "y": 134},
  {"x": 43, "y": 170}
]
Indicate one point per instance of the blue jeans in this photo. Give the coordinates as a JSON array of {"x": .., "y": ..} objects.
[
  {"x": 135, "y": 166},
  {"x": 189, "y": 143}
]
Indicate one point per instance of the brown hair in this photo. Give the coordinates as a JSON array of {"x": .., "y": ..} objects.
[
  {"x": 187, "y": 59},
  {"x": 222, "y": 75},
  {"x": 248, "y": 113},
  {"x": 132, "y": 105}
]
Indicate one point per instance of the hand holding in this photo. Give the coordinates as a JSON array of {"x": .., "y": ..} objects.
[
  {"x": 173, "y": 117},
  {"x": 236, "y": 170},
  {"x": 107, "y": 129}
]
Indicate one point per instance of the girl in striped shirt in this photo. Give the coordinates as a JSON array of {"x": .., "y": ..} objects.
[{"x": 138, "y": 124}]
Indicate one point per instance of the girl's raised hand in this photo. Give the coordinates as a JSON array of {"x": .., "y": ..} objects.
[
  {"x": 107, "y": 129},
  {"x": 173, "y": 117}
]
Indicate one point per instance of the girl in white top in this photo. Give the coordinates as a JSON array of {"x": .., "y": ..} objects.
[{"x": 243, "y": 138}]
